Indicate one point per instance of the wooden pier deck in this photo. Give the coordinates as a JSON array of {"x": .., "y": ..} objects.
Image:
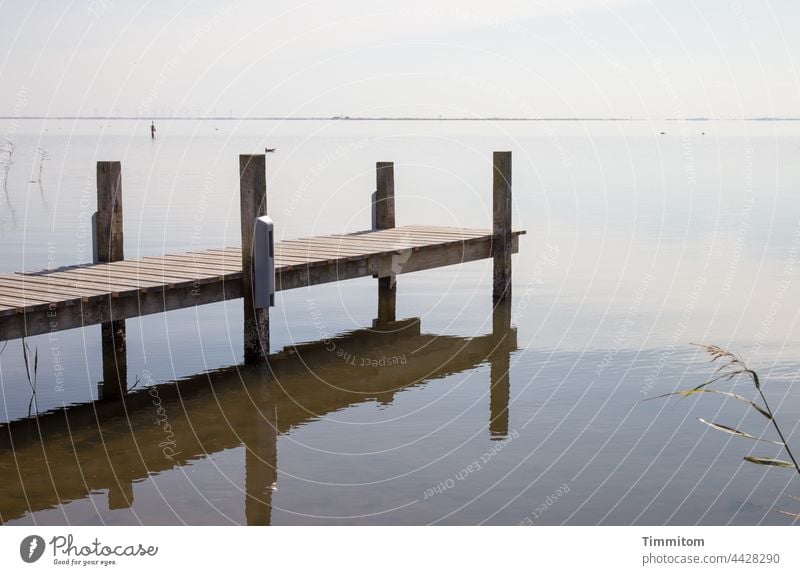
[
  {"x": 115, "y": 288},
  {"x": 39, "y": 302}
]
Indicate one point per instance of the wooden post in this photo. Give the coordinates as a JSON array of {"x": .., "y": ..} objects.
[
  {"x": 384, "y": 219},
  {"x": 110, "y": 249},
  {"x": 253, "y": 203},
  {"x": 501, "y": 241},
  {"x": 109, "y": 212},
  {"x": 384, "y": 198}
]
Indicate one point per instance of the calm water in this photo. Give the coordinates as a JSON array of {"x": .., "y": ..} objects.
[{"x": 638, "y": 243}]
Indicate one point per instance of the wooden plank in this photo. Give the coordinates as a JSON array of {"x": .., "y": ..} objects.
[
  {"x": 103, "y": 280},
  {"x": 16, "y": 297},
  {"x": 206, "y": 260},
  {"x": 157, "y": 268},
  {"x": 232, "y": 251},
  {"x": 17, "y": 305},
  {"x": 226, "y": 256},
  {"x": 372, "y": 239},
  {"x": 414, "y": 244},
  {"x": 121, "y": 277},
  {"x": 452, "y": 229},
  {"x": 186, "y": 266},
  {"x": 234, "y": 264},
  {"x": 38, "y": 321},
  {"x": 400, "y": 241},
  {"x": 371, "y": 245},
  {"x": 291, "y": 259},
  {"x": 429, "y": 236},
  {"x": 317, "y": 251},
  {"x": 53, "y": 291},
  {"x": 302, "y": 258},
  {"x": 155, "y": 271},
  {"x": 44, "y": 283},
  {"x": 322, "y": 243},
  {"x": 21, "y": 304},
  {"x": 303, "y": 252}
]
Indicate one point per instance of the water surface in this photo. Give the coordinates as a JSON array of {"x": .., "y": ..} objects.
[{"x": 637, "y": 244}]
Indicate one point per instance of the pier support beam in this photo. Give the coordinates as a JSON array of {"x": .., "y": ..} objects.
[
  {"x": 501, "y": 226},
  {"x": 110, "y": 249},
  {"x": 253, "y": 203},
  {"x": 384, "y": 219}
]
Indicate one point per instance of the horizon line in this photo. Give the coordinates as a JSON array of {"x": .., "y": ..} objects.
[{"x": 408, "y": 118}]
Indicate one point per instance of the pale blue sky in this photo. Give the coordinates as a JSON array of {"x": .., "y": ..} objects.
[{"x": 620, "y": 58}]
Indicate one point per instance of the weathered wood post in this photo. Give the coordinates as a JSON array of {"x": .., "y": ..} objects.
[
  {"x": 109, "y": 248},
  {"x": 253, "y": 204},
  {"x": 501, "y": 228},
  {"x": 384, "y": 219}
]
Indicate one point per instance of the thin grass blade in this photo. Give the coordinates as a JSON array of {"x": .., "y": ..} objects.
[
  {"x": 732, "y": 431},
  {"x": 735, "y": 396},
  {"x": 769, "y": 462},
  {"x": 789, "y": 513}
]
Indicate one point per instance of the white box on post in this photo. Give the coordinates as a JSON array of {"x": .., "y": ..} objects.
[{"x": 264, "y": 263}]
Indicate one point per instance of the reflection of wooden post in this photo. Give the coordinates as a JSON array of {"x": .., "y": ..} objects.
[
  {"x": 121, "y": 495},
  {"x": 384, "y": 219},
  {"x": 110, "y": 249},
  {"x": 387, "y": 300},
  {"x": 115, "y": 359},
  {"x": 261, "y": 463},
  {"x": 500, "y": 364},
  {"x": 501, "y": 242},
  {"x": 253, "y": 204}
]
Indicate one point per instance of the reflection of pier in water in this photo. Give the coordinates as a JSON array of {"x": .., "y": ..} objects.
[{"x": 66, "y": 454}]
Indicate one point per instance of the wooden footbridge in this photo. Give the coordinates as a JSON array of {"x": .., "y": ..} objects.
[{"x": 114, "y": 289}]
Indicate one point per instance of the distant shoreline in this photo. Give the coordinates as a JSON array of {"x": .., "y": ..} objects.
[{"x": 378, "y": 119}]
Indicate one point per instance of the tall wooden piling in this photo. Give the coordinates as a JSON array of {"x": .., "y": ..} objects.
[
  {"x": 109, "y": 212},
  {"x": 110, "y": 249},
  {"x": 384, "y": 197},
  {"x": 384, "y": 219},
  {"x": 501, "y": 226},
  {"x": 253, "y": 203}
]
